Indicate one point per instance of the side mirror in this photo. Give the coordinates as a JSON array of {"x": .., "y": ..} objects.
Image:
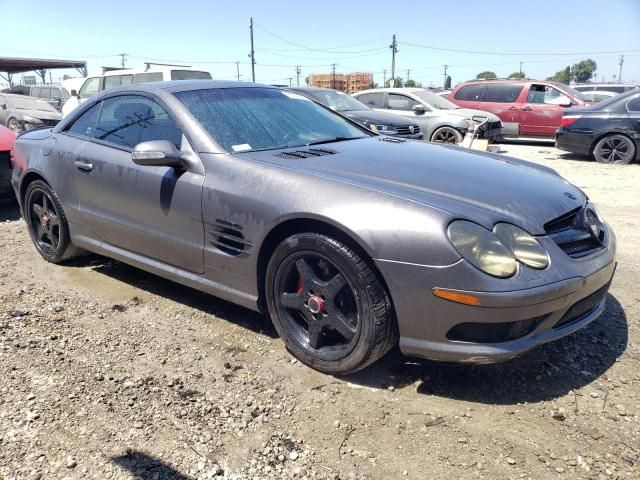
[
  {"x": 157, "y": 153},
  {"x": 74, "y": 93},
  {"x": 4, "y": 106},
  {"x": 561, "y": 101},
  {"x": 419, "y": 108}
]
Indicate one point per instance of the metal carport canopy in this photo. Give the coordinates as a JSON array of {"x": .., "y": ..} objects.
[{"x": 11, "y": 66}]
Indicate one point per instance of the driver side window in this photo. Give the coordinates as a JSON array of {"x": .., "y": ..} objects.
[
  {"x": 544, "y": 94},
  {"x": 401, "y": 102},
  {"x": 128, "y": 120}
]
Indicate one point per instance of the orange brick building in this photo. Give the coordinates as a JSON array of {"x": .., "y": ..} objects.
[{"x": 345, "y": 82}]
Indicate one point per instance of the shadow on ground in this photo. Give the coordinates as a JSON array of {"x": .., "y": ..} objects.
[
  {"x": 547, "y": 372},
  {"x": 190, "y": 297},
  {"x": 143, "y": 467},
  {"x": 9, "y": 211}
]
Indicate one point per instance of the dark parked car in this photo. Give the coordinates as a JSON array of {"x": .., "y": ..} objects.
[
  {"x": 348, "y": 239},
  {"x": 7, "y": 137},
  {"x": 379, "y": 122},
  {"x": 608, "y": 130},
  {"x": 20, "y": 112},
  {"x": 527, "y": 108}
]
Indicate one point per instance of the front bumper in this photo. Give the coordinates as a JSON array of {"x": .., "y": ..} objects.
[{"x": 539, "y": 314}]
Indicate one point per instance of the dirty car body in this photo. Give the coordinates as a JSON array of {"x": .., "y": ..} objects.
[{"x": 216, "y": 218}]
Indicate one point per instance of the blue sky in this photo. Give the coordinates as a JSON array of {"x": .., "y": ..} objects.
[{"x": 354, "y": 35}]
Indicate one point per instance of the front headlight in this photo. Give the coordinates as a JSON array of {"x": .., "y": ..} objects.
[
  {"x": 497, "y": 252},
  {"x": 482, "y": 248},
  {"x": 524, "y": 247},
  {"x": 30, "y": 119},
  {"x": 383, "y": 129}
]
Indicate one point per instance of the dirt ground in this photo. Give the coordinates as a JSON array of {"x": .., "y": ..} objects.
[{"x": 110, "y": 372}]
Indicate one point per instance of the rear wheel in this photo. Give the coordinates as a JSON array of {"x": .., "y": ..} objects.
[
  {"x": 47, "y": 223},
  {"x": 328, "y": 305},
  {"x": 446, "y": 135},
  {"x": 615, "y": 149}
]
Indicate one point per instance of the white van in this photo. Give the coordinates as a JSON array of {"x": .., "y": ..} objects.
[{"x": 116, "y": 78}]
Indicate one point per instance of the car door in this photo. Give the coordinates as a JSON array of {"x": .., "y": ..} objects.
[
  {"x": 151, "y": 211},
  {"x": 403, "y": 105},
  {"x": 540, "y": 112},
  {"x": 375, "y": 100},
  {"x": 501, "y": 100},
  {"x": 633, "y": 110}
]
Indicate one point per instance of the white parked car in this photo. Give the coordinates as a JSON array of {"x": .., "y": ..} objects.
[{"x": 116, "y": 78}]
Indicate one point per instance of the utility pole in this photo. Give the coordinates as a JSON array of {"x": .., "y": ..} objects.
[
  {"x": 620, "y": 71},
  {"x": 238, "y": 70},
  {"x": 290, "y": 80},
  {"x": 333, "y": 76},
  {"x": 408, "y": 72},
  {"x": 445, "y": 75},
  {"x": 298, "y": 71},
  {"x": 394, "y": 50},
  {"x": 124, "y": 57},
  {"x": 384, "y": 78},
  {"x": 521, "y": 68},
  {"x": 252, "y": 55}
]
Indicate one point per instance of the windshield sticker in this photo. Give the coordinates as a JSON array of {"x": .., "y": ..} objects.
[
  {"x": 243, "y": 147},
  {"x": 295, "y": 96}
]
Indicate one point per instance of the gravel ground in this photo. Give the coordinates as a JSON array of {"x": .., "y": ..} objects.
[{"x": 110, "y": 372}]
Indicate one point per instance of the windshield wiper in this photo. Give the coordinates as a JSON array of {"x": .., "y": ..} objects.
[{"x": 333, "y": 140}]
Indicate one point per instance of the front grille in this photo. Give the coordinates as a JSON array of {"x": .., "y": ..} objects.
[
  {"x": 312, "y": 152},
  {"x": 405, "y": 130},
  {"x": 493, "y": 332},
  {"x": 583, "y": 308},
  {"x": 572, "y": 234}
]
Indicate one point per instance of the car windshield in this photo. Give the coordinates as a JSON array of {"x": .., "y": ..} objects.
[
  {"x": 31, "y": 103},
  {"x": 251, "y": 119},
  {"x": 338, "y": 101},
  {"x": 436, "y": 101}
]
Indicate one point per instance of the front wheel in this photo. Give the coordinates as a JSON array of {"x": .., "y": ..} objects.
[
  {"x": 328, "y": 305},
  {"x": 615, "y": 149},
  {"x": 446, "y": 135},
  {"x": 14, "y": 125}
]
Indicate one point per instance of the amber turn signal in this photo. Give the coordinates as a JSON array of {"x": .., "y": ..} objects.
[{"x": 458, "y": 297}]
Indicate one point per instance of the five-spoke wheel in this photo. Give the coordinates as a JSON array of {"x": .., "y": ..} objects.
[
  {"x": 615, "y": 149},
  {"x": 446, "y": 135},
  {"x": 328, "y": 304}
]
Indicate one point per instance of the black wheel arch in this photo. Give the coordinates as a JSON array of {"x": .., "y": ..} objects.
[
  {"x": 27, "y": 179},
  {"x": 292, "y": 226}
]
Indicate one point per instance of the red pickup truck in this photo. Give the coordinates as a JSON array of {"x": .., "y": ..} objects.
[{"x": 527, "y": 108}]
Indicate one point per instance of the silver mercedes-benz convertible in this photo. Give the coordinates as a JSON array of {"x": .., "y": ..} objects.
[{"x": 349, "y": 240}]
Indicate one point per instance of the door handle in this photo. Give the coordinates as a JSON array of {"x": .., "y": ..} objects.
[
  {"x": 513, "y": 108},
  {"x": 527, "y": 109},
  {"x": 84, "y": 166}
]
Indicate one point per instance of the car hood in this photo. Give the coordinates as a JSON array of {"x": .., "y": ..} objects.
[
  {"x": 482, "y": 187},
  {"x": 41, "y": 114},
  {"x": 372, "y": 116}
]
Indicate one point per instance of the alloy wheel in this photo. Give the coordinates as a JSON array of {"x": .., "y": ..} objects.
[
  {"x": 446, "y": 135},
  {"x": 14, "y": 126},
  {"x": 319, "y": 306},
  {"x": 615, "y": 149},
  {"x": 44, "y": 221}
]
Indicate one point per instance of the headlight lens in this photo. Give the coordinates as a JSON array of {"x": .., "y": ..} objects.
[
  {"x": 482, "y": 248},
  {"x": 524, "y": 247},
  {"x": 384, "y": 129}
]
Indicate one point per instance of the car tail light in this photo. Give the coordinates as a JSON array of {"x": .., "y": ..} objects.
[{"x": 566, "y": 121}]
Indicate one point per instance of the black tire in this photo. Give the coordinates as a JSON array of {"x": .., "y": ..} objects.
[
  {"x": 447, "y": 135},
  {"x": 14, "y": 125},
  {"x": 615, "y": 149},
  {"x": 47, "y": 223},
  {"x": 328, "y": 305}
]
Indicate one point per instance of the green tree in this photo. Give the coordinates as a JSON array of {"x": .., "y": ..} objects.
[
  {"x": 518, "y": 75},
  {"x": 562, "y": 76},
  {"x": 487, "y": 75},
  {"x": 583, "y": 71},
  {"x": 412, "y": 83},
  {"x": 398, "y": 82},
  {"x": 447, "y": 83}
]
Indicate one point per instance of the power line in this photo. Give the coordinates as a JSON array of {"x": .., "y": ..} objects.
[{"x": 477, "y": 52}]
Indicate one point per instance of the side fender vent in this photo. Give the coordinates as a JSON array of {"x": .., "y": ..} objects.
[
  {"x": 312, "y": 152},
  {"x": 229, "y": 240}
]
